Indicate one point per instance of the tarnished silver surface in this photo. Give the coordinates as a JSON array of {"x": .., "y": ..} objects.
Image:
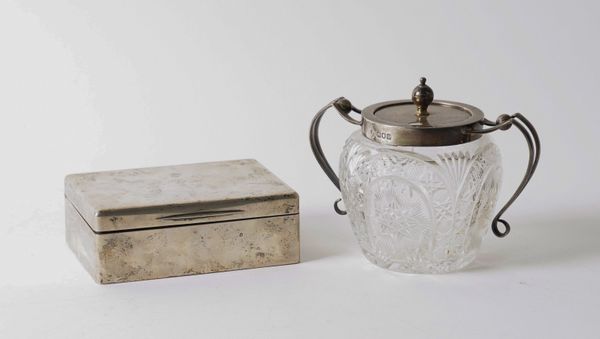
[
  {"x": 184, "y": 250},
  {"x": 179, "y": 220},
  {"x": 421, "y": 121},
  {"x": 175, "y": 195},
  {"x": 396, "y": 123}
]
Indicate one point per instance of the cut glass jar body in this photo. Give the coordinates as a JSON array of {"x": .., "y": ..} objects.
[{"x": 420, "y": 209}]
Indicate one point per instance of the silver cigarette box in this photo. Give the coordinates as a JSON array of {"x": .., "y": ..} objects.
[{"x": 158, "y": 222}]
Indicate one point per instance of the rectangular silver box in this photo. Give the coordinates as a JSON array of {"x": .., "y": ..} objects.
[{"x": 169, "y": 221}]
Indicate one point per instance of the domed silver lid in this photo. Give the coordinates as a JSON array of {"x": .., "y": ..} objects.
[{"x": 421, "y": 121}]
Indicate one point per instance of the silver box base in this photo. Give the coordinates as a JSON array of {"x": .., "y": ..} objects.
[{"x": 183, "y": 250}]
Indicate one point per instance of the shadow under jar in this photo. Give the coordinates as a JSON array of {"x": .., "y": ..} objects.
[{"x": 421, "y": 179}]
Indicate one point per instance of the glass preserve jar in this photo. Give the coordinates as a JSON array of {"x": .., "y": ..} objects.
[{"x": 420, "y": 180}]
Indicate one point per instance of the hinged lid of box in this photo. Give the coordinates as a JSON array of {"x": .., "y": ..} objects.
[{"x": 122, "y": 200}]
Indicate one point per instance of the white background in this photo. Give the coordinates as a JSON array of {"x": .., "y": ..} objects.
[{"x": 95, "y": 85}]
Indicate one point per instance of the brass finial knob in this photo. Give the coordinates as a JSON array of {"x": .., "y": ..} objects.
[{"x": 422, "y": 96}]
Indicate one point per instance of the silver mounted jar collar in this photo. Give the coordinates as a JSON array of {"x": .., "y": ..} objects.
[{"x": 417, "y": 122}]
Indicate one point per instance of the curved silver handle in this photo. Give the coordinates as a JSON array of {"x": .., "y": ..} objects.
[
  {"x": 504, "y": 122},
  {"x": 344, "y": 107}
]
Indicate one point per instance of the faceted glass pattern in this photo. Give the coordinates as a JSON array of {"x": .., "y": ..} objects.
[{"x": 420, "y": 209}]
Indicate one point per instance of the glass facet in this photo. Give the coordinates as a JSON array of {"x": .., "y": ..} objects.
[{"x": 420, "y": 209}]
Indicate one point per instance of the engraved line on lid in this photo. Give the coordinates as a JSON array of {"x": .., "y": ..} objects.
[{"x": 200, "y": 215}]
